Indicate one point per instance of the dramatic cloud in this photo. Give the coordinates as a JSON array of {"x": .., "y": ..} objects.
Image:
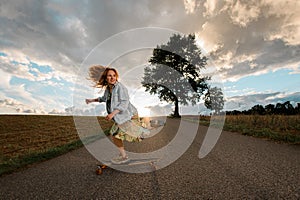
[
  {"x": 61, "y": 34},
  {"x": 249, "y": 37}
]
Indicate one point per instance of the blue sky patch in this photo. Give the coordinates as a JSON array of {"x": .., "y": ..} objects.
[
  {"x": 280, "y": 80},
  {"x": 42, "y": 68}
]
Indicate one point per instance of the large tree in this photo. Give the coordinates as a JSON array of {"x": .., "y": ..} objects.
[{"x": 174, "y": 72}]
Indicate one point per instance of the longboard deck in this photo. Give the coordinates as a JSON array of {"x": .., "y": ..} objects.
[{"x": 131, "y": 162}]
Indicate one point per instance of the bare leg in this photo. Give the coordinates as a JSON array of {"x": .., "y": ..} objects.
[{"x": 120, "y": 145}]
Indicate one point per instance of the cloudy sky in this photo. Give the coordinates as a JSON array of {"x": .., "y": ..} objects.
[{"x": 47, "y": 45}]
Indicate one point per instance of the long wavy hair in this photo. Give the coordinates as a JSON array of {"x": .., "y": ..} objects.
[{"x": 98, "y": 74}]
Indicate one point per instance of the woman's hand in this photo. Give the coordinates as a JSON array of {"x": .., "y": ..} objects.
[
  {"x": 87, "y": 101},
  {"x": 110, "y": 116}
]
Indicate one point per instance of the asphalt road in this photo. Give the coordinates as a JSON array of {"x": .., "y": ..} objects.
[{"x": 238, "y": 167}]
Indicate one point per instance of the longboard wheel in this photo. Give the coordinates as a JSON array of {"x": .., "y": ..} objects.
[{"x": 99, "y": 170}]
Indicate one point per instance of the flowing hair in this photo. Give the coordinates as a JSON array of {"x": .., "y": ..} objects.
[{"x": 98, "y": 74}]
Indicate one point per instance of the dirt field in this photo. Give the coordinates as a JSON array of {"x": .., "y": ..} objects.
[{"x": 25, "y": 134}]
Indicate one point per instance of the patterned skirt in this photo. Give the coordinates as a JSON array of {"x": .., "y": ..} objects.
[{"x": 131, "y": 131}]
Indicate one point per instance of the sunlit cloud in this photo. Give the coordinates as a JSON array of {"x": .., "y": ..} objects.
[{"x": 252, "y": 34}]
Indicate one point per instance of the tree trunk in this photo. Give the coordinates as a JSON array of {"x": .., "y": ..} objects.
[{"x": 176, "y": 111}]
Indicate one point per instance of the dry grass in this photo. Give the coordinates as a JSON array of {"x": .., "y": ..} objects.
[
  {"x": 285, "y": 124},
  {"x": 284, "y": 128}
]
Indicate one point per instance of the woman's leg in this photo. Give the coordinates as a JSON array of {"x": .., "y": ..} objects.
[{"x": 119, "y": 143}]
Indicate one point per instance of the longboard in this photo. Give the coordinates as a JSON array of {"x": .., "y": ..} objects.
[{"x": 131, "y": 162}]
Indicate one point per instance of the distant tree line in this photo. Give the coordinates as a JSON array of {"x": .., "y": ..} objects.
[{"x": 285, "y": 108}]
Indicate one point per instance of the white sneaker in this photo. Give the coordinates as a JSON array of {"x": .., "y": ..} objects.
[{"x": 120, "y": 160}]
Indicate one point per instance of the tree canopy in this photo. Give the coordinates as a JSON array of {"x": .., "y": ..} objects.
[
  {"x": 285, "y": 108},
  {"x": 214, "y": 99}
]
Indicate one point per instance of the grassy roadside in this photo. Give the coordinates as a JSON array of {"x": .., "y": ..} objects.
[
  {"x": 28, "y": 139},
  {"x": 9, "y": 165},
  {"x": 279, "y": 128}
]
